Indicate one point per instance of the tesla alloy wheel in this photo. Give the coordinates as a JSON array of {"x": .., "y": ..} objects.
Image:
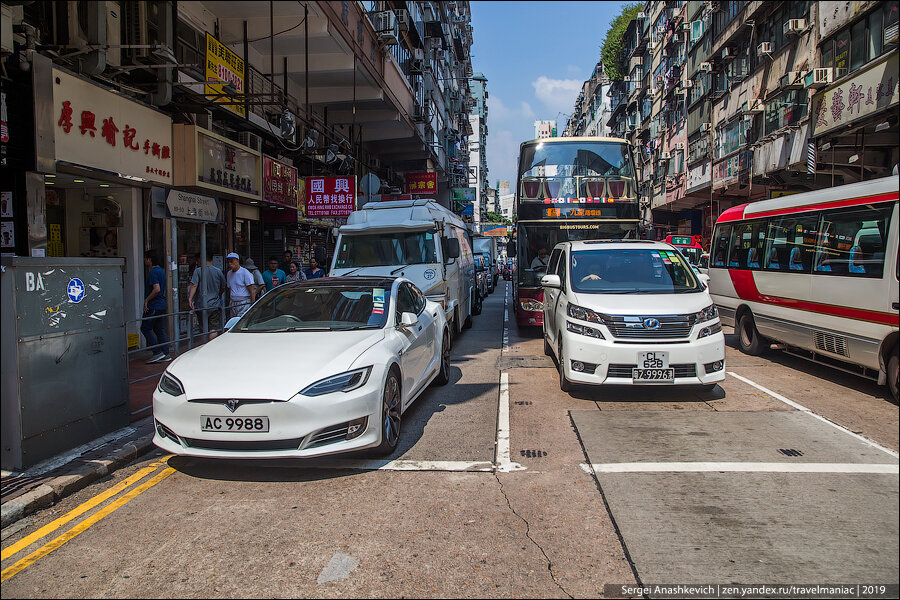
[
  {"x": 443, "y": 376},
  {"x": 390, "y": 415}
]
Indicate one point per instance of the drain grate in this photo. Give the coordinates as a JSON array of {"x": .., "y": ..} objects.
[
  {"x": 533, "y": 453},
  {"x": 523, "y": 402},
  {"x": 790, "y": 452}
]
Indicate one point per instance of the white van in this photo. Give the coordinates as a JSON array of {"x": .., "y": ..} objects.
[
  {"x": 630, "y": 312},
  {"x": 417, "y": 239}
]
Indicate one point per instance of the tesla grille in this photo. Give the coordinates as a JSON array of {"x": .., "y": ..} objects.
[
  {"x": 687, "y": 370},
  {"x": 244, "y": 446},
  {"x": 670, "y": 327},
  {"x": 330, "y": 435}
]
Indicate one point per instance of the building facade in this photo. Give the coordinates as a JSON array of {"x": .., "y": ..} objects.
[{"x": 478, "y": 167}]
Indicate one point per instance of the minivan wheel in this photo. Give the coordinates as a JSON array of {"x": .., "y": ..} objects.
[
  {"x": 564, "y": 384},
  {"x": 893, "y": 371},
  {"x": 748, "y": 337},
  {"x": 548, "y": 351}
]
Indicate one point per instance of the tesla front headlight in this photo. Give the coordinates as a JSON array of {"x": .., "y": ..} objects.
[
  {"x": 583, "y": 314},
  {"x": 343, "y": 382},
  {"x": 169, "y": 384},
  {"x": 707, "y": 314}
]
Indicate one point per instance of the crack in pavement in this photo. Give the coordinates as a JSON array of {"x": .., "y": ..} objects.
[{"x": 528, "y": 535}]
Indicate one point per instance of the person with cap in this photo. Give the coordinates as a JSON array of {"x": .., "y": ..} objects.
[
  {"x": 241, "y": 286},
  {"x": 258, "y": 280}
]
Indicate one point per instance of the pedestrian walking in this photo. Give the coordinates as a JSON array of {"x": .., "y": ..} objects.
[
  {"x": 241, "y": 287},
  {"x": 153, "y": 325},
  {"x": 273, "y": 276},
  {"x": 294, "y": 273},
  {"x": 209, "y": 299},
  {"x": 314, "y": 271},
  {"x": 258, "y": 280}
]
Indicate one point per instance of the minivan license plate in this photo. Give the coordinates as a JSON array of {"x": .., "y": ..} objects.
[
  {"x": 234, "y": 424},
  {"x": 653, "y": 366}
]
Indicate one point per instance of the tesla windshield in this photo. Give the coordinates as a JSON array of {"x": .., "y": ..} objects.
[{"x": 317, "y": 308}]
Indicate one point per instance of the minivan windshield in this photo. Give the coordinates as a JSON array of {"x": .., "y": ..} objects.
[
  {"x": 632, "y": 271},
  {"x": 386, "y": 249},
  {"x": 303, "y": 307}
]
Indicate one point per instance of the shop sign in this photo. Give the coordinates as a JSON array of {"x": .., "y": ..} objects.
[
  {"x": 496, "y": 231},
  {"x": 330, "y": 196},
  {"x": 727, "y": 171},
  {"x": 869, "y": 92},
  {"x": 698, "y": 177},
  {"x": 421, "y": 183},
  {"x": 224, "y": 65},
  {"x": 833, "y": 14},
  {"x": 280, "y": 183},
  {"x": 227, "y": 165},
  {"x": 97, "y": 128},
  {"x": 192, "y": 206}
]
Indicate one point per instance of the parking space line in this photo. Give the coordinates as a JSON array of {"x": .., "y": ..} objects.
[
  {"x": 72, "y": 514},
  {"x": 811, "y": 413},
  {"x": 748, "y": 467},
  {"x": 405, "y": 465},
  {"x": 83, "y": 526}
]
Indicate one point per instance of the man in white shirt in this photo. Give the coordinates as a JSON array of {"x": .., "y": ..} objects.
[
  {"x": 541, "y": 261},
  {"x": 240, "y": 286}
]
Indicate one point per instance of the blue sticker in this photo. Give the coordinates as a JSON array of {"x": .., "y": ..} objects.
[
  {"x": 75, "y": 290},
  {"x": 430, "y": 273},
  {"x": 378, "y": 296}
]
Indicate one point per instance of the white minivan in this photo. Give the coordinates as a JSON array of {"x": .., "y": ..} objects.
[{"x": 630, "y": 312}]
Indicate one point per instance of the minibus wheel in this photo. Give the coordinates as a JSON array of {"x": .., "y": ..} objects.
[{"x": 748, "y": 337}]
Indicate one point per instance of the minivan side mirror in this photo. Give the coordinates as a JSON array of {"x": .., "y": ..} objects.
[
  {"x": 408, "y": 319},
  {"x": 551, "y": 281},
  {"x": 231, "y": 323},
  {"x": 452, "y": 247},
  {"x": 704, "y": 279}
]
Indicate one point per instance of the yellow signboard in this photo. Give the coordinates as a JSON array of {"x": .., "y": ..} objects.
[{"x": 224, "y": 65}]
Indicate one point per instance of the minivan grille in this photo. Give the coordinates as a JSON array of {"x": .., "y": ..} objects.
[
  {"x": 832, "y": 343},
  {"x": 670, "y": 327}
]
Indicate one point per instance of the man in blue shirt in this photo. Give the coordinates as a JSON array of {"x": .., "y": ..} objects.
[
  {"x": 154, "y": 326},
  {"x": 273, "y": 276}
]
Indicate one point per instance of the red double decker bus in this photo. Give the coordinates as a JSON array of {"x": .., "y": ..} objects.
[{"x": 574, "y": 188}]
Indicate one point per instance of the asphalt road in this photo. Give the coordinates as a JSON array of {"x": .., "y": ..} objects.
[{"x": 505, "y": 487}]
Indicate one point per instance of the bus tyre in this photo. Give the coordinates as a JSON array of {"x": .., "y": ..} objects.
[
  {"x": 893, "y": 372},
  {"x": 748, "y": 337},
  {"x": 564, "y": 384}
]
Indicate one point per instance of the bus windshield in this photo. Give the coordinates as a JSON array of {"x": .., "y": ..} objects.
[{"x": 385, "y": 249}]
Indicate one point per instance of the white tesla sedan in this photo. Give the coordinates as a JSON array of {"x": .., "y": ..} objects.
[{"x": 313, "y": 368}]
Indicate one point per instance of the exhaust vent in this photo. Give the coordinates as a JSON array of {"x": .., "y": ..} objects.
[{"x": 834, "y": 344}]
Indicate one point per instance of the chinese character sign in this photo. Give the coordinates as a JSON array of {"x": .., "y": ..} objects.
[
  {"x": 421, "y": 183},
  {"x": 869, "y": 92},
  {"x": 330, "y": 196},
  {"x": 280, "y": 181},
  {"x": 224, "y": 65},
  {"x": 96, "y": 128}
]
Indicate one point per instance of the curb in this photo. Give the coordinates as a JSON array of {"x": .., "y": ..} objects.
[{"x": 54, "y": 490}]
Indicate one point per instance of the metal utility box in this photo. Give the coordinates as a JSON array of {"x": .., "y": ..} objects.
[{"x": 63, "y": 343}]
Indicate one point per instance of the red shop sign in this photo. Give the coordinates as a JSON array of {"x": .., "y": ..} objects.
[
  {"x": 280, "y": 182},
  {"x": 330, "y": 196},
  {"x": 421, "y": 183}
]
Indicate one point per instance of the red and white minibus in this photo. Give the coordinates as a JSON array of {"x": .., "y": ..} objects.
[
  {"x": 691, "y": 246},
  {"x": 817, "y": 272}
]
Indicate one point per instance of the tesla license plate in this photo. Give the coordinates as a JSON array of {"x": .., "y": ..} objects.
[
  {"x": 234, "y": 424},
  {"x": 653, "y": 367}
]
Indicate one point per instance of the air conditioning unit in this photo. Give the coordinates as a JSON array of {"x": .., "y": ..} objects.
[
  {"x": 728, "y": 53},
  {"x": 687, "y": 84},
  {"x": 387, "y": 28},
  {"x": 705, "y": 127},
  {"x": 140, "y": 28},
  {"x": 677, "y": 38},
  {"x": 794, "y": 26},
  {"x": 706, "y": 67},
  {"x": 665, "y": 156},
  {"x": 792, "y": 80},
  {"x": 679, "y": 146},
  {"x": 764, "y": 48},
  {"x": 251, "y": 140},
  {"x": 819, "y": 77},
  {"x": 417, "y": 65},
  {"x": 403, "y": 20},
  {"x": 754, "y": 107},
  {"x": 686, "y": 26}
]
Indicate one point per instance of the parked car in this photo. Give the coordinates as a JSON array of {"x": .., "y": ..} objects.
[
  {"x": 326, "y": 366},
  {"x": 483, "y": 282},
  {"x": 629, "y": 312}
]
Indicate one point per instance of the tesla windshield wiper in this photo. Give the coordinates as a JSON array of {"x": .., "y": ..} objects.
[{"x": 295, "y": 329}]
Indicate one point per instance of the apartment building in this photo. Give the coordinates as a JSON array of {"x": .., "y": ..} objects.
[{"x": 478, "y": 168}]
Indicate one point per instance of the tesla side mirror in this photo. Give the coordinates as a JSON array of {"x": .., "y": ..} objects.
[
  {"x": 551, "y": 281},
  {"x": 408, "y": 319},
  {"x": 231, "y": 323}
]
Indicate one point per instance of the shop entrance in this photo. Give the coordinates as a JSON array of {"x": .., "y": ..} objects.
[{"x": 191, "y": 242}]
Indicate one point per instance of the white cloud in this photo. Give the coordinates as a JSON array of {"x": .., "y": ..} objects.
[
  {"x": 558, "y": 95},
  {"x": 526, "y": 110},
  {"x": 503, "y": 156},
  {"x": 496, "y": 108},
  {"x": 573, "y": 70}
]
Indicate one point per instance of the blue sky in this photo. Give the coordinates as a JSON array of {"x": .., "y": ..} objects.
[{"x": 536, "y": 56}]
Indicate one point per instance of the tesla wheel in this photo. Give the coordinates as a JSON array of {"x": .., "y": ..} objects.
[
  {"x": 564, "y": 384},
  {"x": 390, "y": 415},
  {"x": 748, "y": 337},
  {"x": 893, "y": 371},
  {"x": 443, "y": 376}
]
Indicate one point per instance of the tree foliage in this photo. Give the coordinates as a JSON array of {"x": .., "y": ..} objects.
[
  {"x": 611, "y": 52},
  {"x": 492, "y": 217}
]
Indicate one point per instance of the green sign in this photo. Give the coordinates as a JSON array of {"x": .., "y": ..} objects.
[{"x": 682, "y": 240}]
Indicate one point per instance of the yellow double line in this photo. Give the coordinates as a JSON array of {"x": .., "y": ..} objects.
[{"x": 84, "y": 525}]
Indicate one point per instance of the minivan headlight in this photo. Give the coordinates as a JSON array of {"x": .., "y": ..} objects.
[
  {"x": 342, "y": 382},
  {"x": 169, "y": 384},
  {"x": 583, "y": 314},
  {"x": 707, "y": 314}
]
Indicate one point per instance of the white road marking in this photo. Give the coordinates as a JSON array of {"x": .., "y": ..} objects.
[
  {"x": 338, "y": 567},
  {"x": 819, "y": 417},
  {"x": 403, "y": 465},
  {"x": 740, "y": 467}
]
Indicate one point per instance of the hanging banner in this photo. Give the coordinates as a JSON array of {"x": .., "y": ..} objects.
[
  {"x": 330, "y": 196},
  {"x": 224, "y": 65},
  {"x": 421, "y": 183},
  {"x": 280, "y": 181}
]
